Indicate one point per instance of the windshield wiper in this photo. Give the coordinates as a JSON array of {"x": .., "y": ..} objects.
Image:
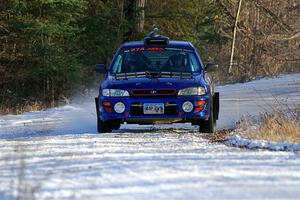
[
  {"x": 154, "y": 74},
  {"x": 182, "y": 75},
  {"x": 130, "y": 75}
]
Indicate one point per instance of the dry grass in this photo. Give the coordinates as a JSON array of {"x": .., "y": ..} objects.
[
  {"x": 21, "y": 109},
  {"x": 281, "y": 125},
  {"x": 218, "y": 137}
]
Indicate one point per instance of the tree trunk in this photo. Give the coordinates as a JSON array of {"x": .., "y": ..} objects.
[
  {"x": 134, "y": 11},
  {"x": 234, "y": 36},
  {"x": 140, "y": 18}
]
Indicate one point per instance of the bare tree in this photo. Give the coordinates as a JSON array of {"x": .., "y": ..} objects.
[
  {"x": 140, "y": 18},
  {"x": 234, "y": 35}
]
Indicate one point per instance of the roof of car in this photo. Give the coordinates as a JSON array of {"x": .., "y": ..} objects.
[{"x": 172, "y": 43}]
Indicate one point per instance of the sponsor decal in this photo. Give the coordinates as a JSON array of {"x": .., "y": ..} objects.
[{"x": 148, "y": 49}]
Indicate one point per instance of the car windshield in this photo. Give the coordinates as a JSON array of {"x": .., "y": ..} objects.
[{"x": 155, "y": 59}]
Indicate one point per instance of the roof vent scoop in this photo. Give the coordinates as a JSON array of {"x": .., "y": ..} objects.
[
  {"x": 154, "y": 38},
  {"x": 154, "y": 33}
]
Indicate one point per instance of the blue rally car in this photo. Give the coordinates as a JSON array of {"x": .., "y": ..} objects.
[{"x": 157, "y": 81}]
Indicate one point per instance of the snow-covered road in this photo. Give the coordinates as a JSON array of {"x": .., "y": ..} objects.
[{"x": 57, "y": 154}]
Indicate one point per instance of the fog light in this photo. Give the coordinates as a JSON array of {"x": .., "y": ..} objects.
[
  {"x": 187, "y": 106},
  {"x": 119, "y": 107}
]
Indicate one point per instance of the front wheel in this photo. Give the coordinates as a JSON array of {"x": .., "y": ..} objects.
[
  {"x": 207, "y": 126},
  {"x": 104, "y": 127}
]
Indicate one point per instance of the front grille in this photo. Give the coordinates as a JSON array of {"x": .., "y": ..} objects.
[
  {"x": 153, "y": 92},
  {"x": 137, "y": 109}
]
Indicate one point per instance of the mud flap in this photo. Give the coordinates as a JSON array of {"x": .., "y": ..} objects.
[{"x": 216, "y": 104}]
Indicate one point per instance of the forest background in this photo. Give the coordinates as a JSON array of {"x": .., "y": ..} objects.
[{"x": 48, "y": 48}]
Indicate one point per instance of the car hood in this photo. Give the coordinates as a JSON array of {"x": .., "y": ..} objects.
[{"x": 152, "y": 83}]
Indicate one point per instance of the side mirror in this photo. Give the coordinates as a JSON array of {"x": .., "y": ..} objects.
[
  {"x": 210, "y": 67},
  {"x": 100, "y": 68}
]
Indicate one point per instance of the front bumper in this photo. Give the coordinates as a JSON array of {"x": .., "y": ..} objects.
[{"x": 173, "y": 109}]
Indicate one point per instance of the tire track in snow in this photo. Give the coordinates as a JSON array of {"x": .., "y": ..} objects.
[{"x": 68, "y": 160}]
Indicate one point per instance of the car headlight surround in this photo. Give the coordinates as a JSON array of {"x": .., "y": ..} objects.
[
  {"x": 115, "y": 93},
  {"x": 192, "y": 91}
]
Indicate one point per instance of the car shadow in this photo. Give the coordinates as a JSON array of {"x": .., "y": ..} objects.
[{"x": 44, "y": 132}]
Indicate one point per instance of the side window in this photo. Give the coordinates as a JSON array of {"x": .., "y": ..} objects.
[
  {"x": 118, "y": 64},
  {"x": 194, "y": 63}
]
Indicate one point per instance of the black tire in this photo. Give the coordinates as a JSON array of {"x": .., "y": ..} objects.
[
  {"x": 104, "y": 127},
  {"x": 208, "y": 126},
  {"x": 116, "y": 126},
  {"x": 216, "y": 106}
]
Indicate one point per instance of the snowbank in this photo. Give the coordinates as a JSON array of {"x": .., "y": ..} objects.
[{"x": 238, "y": 141}]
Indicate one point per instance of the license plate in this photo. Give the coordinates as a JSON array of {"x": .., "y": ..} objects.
[{"x": 154, "y": 108}]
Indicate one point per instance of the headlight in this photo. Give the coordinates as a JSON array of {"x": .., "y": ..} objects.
[
  {"x": 191, "y": 91},
  {"x": 114, "y": 93}
]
